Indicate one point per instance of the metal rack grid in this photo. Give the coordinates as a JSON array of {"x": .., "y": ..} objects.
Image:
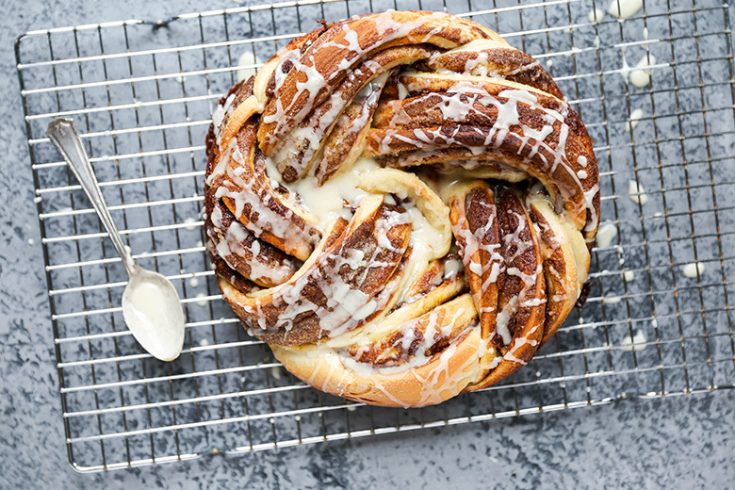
[{"x": 142, "y": 93}]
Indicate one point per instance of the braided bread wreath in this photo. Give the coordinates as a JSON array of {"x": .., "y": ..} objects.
[{"x": 400, "y": 204}]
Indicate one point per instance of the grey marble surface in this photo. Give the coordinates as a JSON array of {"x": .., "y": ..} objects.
[{"x": 679, "y": 442}]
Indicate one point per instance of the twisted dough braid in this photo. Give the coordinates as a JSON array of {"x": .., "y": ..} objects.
[{"x": 401, "y": 205}]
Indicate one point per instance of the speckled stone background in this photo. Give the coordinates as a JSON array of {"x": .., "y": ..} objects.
[{"x": 679, "y": 442}]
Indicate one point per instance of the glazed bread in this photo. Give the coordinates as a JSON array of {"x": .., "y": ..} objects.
[{"x": 401, "y": 205}]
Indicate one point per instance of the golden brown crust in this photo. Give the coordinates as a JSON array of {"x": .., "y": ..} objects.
[
  {"x": 341, "y": 47},
  {"x": 444, "y": 375},
  {"x": 344, "y": 144},
  {"x": 473, "y": 114},
  {"x": 476, "y": 230},
  {"x": 302, "y": 310},
  {"x": 296, "y": 152},
  {"x": 565, "y": 263},
  {"x": 498, "y": 61},
  {"x": 251, "y": 258},
  {"x": 409, "y": 284}
]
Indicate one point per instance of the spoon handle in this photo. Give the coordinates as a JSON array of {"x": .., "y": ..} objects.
[{"x": 66, "y": 138}]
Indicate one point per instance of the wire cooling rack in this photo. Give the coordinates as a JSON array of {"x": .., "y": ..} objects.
[{"x": 658, "y": 321}]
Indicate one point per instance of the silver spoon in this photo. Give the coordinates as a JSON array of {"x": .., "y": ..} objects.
[{"x": 151, "y": 306}]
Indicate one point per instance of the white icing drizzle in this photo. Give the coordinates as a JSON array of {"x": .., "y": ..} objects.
[
  {"x": 606, "y": 234},
  {"x": 473, "y": 242},
  {"x": 624, "y": 9},
  {"x": 524, "y": 298},
  {"x": 637, "y": 193},
  {"x": 219, "y": 113},
  {"x": 479, "y": 63},
  {"x": 635, "y": 117},
  {"x": 460, "y": 101},
  {"x": 596, "y": 15},
  {"x": 328, "y": 201},
  {"x": 314, "y": 132},
  {"x": 234, "y": 242},
  {"x": 247, "y": 64},
  {"x": 346, "y": 305},
  {"x": 408, "y": 333},
  {"x": 640, "y": 75},
  {"x": 245, "y": 190},
  {"x": 518, "y": 343},
  {"x": 635, "y": 344},
  {"x": 345, "y": 41},
  {"x": 693, "y": 270}
]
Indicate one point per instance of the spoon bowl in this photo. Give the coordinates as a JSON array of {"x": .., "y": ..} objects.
[{"x": 153, "y": 313}]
